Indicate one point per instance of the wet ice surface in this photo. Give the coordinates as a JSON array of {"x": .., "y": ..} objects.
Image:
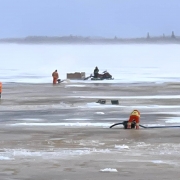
[
  {"x": 78, "y": 142},
  {"x": 78, "y": 151},
  {"x": 45, "y": 127}
]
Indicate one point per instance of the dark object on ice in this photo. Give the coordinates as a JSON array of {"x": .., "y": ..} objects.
[
  {"x": 88, "y": 77},
  {"x": 133, "y": 124},
  {"x": 60, "y": 81},
  {"x": 101, "y": 101},
  {"x": 124, "y": 123},
  {"x": 114, "y": 102},
  {"x": 104, "y": 75}
]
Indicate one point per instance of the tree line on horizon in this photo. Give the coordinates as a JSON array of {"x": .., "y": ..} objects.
[{"x": 81, "y": 39}]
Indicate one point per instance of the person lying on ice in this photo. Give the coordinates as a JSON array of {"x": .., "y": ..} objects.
[{"x": 134, "y": 116}]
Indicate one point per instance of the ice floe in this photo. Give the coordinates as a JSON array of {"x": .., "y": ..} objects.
[
  {"x": 99, "y": 113},
  {"x": 108, "y": 170},
  {"x": 121, "y": 146}
]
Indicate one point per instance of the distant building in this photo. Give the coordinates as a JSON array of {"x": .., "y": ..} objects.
[
  {"x": 172, "y": 35},
  {"x": 148, "y": 36}
]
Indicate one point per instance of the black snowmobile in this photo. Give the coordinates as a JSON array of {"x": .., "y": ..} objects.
[{"x": 104, "y": 75}]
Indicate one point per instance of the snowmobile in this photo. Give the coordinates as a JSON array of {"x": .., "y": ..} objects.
[{"x": 104, "y": 75}]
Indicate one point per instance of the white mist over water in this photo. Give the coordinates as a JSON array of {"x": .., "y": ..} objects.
[{"x": 126, "y": 63}]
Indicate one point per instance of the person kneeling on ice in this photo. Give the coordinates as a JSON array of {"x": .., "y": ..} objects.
[
  {"x": 134, "y": 116},
  {"x": 55, "y": 76}
]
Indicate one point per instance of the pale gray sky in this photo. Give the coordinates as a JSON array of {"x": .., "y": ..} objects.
[{"x": 107, "y": 18}]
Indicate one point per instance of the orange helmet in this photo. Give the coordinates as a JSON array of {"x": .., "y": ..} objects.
[{"x": 135, "y": 113}]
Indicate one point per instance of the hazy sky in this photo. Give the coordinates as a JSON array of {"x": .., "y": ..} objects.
[{"x": 107, "y": 18}]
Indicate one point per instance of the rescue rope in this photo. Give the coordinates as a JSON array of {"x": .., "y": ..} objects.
[
  {"x": 158, "y": 127},
  {"x": 146, "y": 127},
  {"x": 115, "y": 124}
]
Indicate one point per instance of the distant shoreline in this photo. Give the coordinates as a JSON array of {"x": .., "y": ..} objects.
[{"x": 91, "y": 40}]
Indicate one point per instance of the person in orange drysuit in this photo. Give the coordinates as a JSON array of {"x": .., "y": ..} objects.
[
  {"x": 55, "y": 76},
  {"x": 134, "y": 116}
]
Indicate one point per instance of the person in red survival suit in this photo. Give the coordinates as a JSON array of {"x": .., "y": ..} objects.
[
  {"x": 55, "y": 76},
  {"x": 134, "y": 116}
]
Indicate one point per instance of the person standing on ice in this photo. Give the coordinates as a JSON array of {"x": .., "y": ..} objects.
[
  {"x": 55, "y": 76},
  {"x": 134, "y": 116},
  {"x": 96, "y": 72}
]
